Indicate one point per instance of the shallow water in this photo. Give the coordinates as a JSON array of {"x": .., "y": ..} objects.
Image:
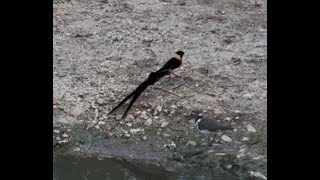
[{"x": 76, "y": 168}]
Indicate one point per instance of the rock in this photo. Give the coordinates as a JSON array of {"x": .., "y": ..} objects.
[
  {"x": 144, "y": 115},
  {"x": 248, "y": 95},
  {"x": 76, "y": 110},
  {"x": 56, "y": 131},
  {"x": 166, "y": 135},
  {"x": 68, "y": 130},
  {"x": 164, "y": 124},
  {"x": 210, "y": 151},
  {"x": 58, "y": 138},
  {"x": 226, "y": 138},
  {"x": 118, "y": 117},
  {"x": 97, "y": 126},
  {"x": 148, "y": 122},
  {"x": 108, "y": 127},
  {"x": 192, "y": 143},
  {"x": 133, "y": 131},
  {"x": 250, "y": 128},
  {"x": 77, "y": 149},
  {"x": 257, "y": 174},
  {"x": 63, "y": 141},
  {"x": 65, "y": 135},
  {"x": 127, "y": 135},
  {"x": 101, "y": 122},
  {"x": 172, "y": 112},
  {"x": 129, "y": 124},
  {"x": 217, "y": 111},
  {"x": 220, "y": 154},
  {"x": 204, "y": 144},
  {"x": 94, "y": 122},
  {"x": 129, "y": 118},
  {"x": 170, "y": 146},
  {"x": 228, "y": 118},
  {"x": 144, "y": 137},
  {"x": 159, "y": 108},
  {"x": 237, "y": 111},
  {"x": 245, "y": 139},
  {"x": 237, "y": 117},
  {"x": 156, "y": 117},
  {"x": 173, "y": 107},
  {"x": 100, "y": 101}
]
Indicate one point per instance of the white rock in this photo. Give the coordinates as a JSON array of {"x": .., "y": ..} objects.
[
  {"x": 76, "y": 110},
  {"x": 220, "y": 154},
  {"x": 77, "y": 149},
  {"x": 156, "y": 117},
  {"x": 228, "y": 118},
  {"x": 148, "y": 122},
  {"x": 237, "y": 111},
  {"x": 97, "y": 126},
  {"x": 166, "y": 135},
  {"x": 251, "y": 128},
  {"x": 144, "y": 137},
  {"x": 210, "y": 151},
  {"x": 58, "y": 138},
  {"x": 159, "y": 108},
  {"x": 65, "y": 135},
  {"x": 56, "y": 131},
  {"x": 164, "y": 124},
  {"x": 257, "y": 174},
  {"x": 173, "y": 106},
  {"x": 245, "y": 139},
  {"x": 94, "y": 122},
  {"x": 129, "y": 124},
  {"x": 226, "y": 138},
  {"x": 192, "y": 143},
  {"x": 132, "y": 131},
  {"x": 127, "y": 135},
  {"x": 248, "y": 95},
  {"x": 129, "y": 118},
  {"x": 68, "y": 130},
  {"x": 237, "y": 117},
  {"x": 101, "y": 122},
  {"x": 100, "y": 101}
]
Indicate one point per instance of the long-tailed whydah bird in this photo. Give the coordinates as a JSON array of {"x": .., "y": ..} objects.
[{"x": 167, "y": 69}]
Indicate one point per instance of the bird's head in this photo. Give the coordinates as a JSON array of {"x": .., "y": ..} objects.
[
  {"x": 195, "y": 115},
  {"x": 180, "y": 53}
]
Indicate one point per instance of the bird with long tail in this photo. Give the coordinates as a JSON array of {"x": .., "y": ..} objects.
[{"x": 167, "y": 69}]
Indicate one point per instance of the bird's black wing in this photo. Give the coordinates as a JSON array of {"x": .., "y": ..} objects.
[{"x": 173, "y": 63}]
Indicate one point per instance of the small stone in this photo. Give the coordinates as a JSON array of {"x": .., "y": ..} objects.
[
  {"x": 108, "y": 127},
  {"x": 127, "y": 135},
  {"x": 129, "y": 118},
  {"x": 68, "y": 130},
  {"x": 148, "y": 122},
  {"x": 204, "y": 144},
  {"x": 121, "y": 122},
  {"x": 144, "y": 137},
  {"x": 237, "y": 111},
  {"x": 148, "y": 110},
  {"x": 65, "y": 135},
  {"x": 97, "y": 126},
  {"x": 237, "y": 117},
  {"x": 257, "y": 174},
  {"x": 56, "y": 131},
  {"x": 76, "y": 110},
  {"x": 58, "y": 138},
  {"x": 192, "y": 143},
  {"x": 100, "y": 101},
  {"x": 137, "y": 113},
  {"x": 226, "y": 138},
  {"x": 101, "y": 118},
  {"x": 220, "y": 154},
  {"x": 210, "y": 151},
  {"x": 164, "y": 124},
  {"x": 248, "y": 95},
  {"x": 228, "y": 166},
  {"x": 166, "y": 135},
  {"x": 251, "y": 128},
  {"x": 173, "y": 106},
  {"x": 245, "y": 139},
  {"x": 77, "y": 149},
  {"x": 63, "y": 141},
  {"x": 129, "y": 124},
  {"x": 228, "y": 118},
  {"x": 156, "y": 117},
  {"x": 172, "y": 112},
  {"x": 101, "y": 122},
  {"x": 94, "y": 122},
  {"x": 217, "y": 111},
  {"x": 240, "y": 156},
  {"x": 159, "y": 108},
  {"x": 133, "y": 131},
  {"x": 118, "y": 117}
]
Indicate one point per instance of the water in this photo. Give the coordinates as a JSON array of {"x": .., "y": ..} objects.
[{"x": 75, "y": 168}]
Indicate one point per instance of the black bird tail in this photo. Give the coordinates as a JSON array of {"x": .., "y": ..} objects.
[
  {"x": 122, "y": 102},
  {"x": 135, "y": 97}
]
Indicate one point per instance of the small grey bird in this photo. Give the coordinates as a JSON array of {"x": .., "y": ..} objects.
[{"x": 207, "y": 126}]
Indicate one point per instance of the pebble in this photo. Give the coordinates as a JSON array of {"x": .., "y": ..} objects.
[
  {"x": 237, "y": 111},
  {"x": 94, "y": 122},
  {"x": 118, "y": 117},
  {"x": 251, "y": 128},
  {"x": 257, "y": 174},
  {"x": 173, "y": 106},
  {"x": 77, "y": 149},
  {"x": 159, "y": 108},
  {"x": 58, "y": 138},
  {"x": 237, "y": 117},
  {"x": 129, "y": 124},
  {"x": 132, "y": 131},
  {"x": 65, "y": 135},
  {"x": 68, "y": 130},
  {"x": 210, "y": 151},
  {"x": 108, "y": 127},
  {"x": 228, "y": 118},
  {"x": 129, "y": 118},
  {"x": 127, "y": 135},
  {"x": 148, "y": 122},
  {"x": 144, "y": 137},
  {"x": 101, "y": 122},
  {"x": 97, "y": 126},
  {"x": 63, "y": 141},
  {"x": 226, "y": 138},
  {"x": 245, "y": 139},
  {"x": 164, "y": 124},
  {"x": 192, "y": 143},
  {"x": 220, "y": 154},
  {"x": 56, "y": 131},
  {"x": 156, "y": 117},
  {"x": 100, "y": 101}
]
